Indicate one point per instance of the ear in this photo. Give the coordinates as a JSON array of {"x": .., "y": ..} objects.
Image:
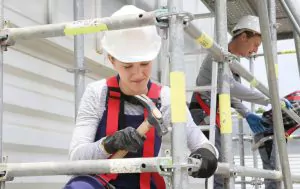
[{"x": 111, "y": 59}]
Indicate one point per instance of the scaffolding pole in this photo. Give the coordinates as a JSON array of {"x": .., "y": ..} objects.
[
  {"x": 84, "y": 167},
  {"x": 49, "y": 13},
  {"x": 163, "y": 59},
  {"x": 254, "y": 152},
  {"x": 206, "y": 42},
  {"x": 251, "y": 68},
  {"x": 224, "y": 96},
  {"x": 292, "y": 14},
  {"x": 275, "y": 100},
  {"x": 294, "y": 10},
  {"x": 203, "y": 16},
  {"x": 242, "y": 148},
  {"x": 164, "y": 56},
  {"x": 79, "y": 71},
  {"x": 98, "y": 35},
  {"x": 278, "y": 53},
  {"x": 2, "y": 184},
  {"x": 78, "y": 27},
  {"x": 297, "y": 46},
  {"x": 178, "y": 105},
  {"x": 127, "y": 165},
  {"x": 213, "y": 112},
  {"x": 273, "y": 30}
]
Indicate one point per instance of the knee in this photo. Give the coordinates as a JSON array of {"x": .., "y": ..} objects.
[{"x": 84, "y": 182}]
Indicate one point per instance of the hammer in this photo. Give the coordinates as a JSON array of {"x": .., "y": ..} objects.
[{"x": 154, "y": 119}]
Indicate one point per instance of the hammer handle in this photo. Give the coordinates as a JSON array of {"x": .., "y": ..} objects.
[{"x": 142, "y": 130}]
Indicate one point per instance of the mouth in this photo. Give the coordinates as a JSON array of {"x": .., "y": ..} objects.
[{"x": 138, "y": 81}]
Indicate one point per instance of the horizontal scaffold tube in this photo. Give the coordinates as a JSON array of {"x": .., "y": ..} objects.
[
  {"x": 80, "y": 26},
  {"x": 127, "y": 165},
  {"x": 236, "y": 170}
]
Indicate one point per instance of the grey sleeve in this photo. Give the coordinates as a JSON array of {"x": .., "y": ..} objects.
[
  {"x": 236, "y": 89},
  {"x": 239, "y": 106},
  {"x": 244, "y": 93},
  {"x": 83, "y": 146}
]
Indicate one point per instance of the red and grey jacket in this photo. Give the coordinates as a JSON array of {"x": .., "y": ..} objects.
[{"x": 115, "y": 119}]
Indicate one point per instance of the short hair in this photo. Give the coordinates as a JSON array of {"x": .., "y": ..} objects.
[{"x": 249, "y": 34}]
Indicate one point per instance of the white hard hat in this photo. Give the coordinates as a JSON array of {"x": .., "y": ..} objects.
[
  {"x": 134, "y": 44},
  {"x": 247, "y": 23}
]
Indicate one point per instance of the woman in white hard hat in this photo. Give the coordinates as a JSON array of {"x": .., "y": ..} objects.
[
  {"x": 108, "y": 116},
  {"x": 245, "y": 41}
]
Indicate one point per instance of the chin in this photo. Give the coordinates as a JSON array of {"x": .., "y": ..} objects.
[{"x": 140, "y": 89}]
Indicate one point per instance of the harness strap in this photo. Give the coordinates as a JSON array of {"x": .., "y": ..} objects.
[
  {"x": 206, "y": 108},
  {"x": 113, "y": 109}
]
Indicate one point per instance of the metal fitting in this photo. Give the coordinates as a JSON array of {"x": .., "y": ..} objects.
[
  {"x": 78, "y": 70},
  {"x": 163, "y": 16}
]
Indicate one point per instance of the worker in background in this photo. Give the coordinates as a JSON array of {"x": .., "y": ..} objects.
[
  {"x": 245, "y": 41},
  {"x": 108, "y": 117}
]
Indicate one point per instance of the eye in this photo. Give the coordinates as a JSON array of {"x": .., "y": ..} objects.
[
  {"x": 145, "y": 63},
  {"x": 127, "y": 66}
]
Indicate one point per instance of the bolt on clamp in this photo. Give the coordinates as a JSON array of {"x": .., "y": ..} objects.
[
  {"x": 167, "y": 167},
  {"x": 5, "y": 40},
  {"x": 78, "y": 70},
  {"x": 229, "y": 57},
  {"x": 163, "y": 16}
]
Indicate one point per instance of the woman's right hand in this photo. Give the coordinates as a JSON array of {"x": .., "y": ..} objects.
[{"x": 126, "y": 139}]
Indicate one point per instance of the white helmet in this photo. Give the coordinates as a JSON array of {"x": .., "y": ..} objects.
[
  {"x": 134, "y": 44},
  {"x": 247, "y": 23}
]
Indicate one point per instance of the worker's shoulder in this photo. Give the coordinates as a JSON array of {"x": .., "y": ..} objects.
[
  {"x": 165, "y": 90},
  {"x": 208, "y": 58},
  {"x": 165, "y": 95},
  {"x": 97, "y": 86}
]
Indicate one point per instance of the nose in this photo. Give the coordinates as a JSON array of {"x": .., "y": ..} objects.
[
  {"x": 138, "y": 72},
  {"x": 255, "y": 49}
]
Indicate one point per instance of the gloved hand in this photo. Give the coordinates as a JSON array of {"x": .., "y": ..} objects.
[
  {"x": 286, "y": 103},
  {"x": 126, "y": 139},
  {"x": 256, "y": 123},
  {"x": 209, "y": 163}
]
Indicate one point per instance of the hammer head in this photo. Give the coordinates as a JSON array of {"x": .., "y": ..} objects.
[{"x": 154, "y": 115}]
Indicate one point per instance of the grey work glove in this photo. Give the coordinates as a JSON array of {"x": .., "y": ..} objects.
[
  {"x": 126, "y": 139},
  {"x": 209, "y": 163}
]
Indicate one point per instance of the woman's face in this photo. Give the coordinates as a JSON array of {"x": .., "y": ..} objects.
[
  {"x": 134, "y": 77},
  {"x": 247, "y": 46}
]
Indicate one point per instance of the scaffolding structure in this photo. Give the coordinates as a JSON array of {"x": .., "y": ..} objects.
[{"x": 175, "y": 22}]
